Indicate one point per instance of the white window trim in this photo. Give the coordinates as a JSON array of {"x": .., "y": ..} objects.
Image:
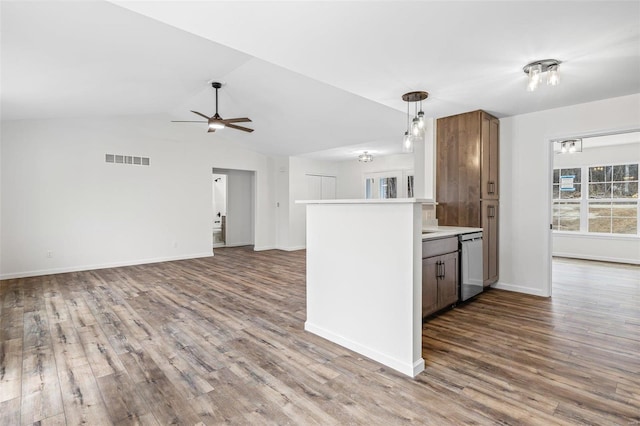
[{"x": 584, "y": 201}]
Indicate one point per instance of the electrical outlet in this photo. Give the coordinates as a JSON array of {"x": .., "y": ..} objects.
[
  {"x": 49, "y": 254},
  {"x": 175, "y": 244}
]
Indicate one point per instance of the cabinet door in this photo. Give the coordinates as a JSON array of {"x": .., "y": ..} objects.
[
  {"x": 448, "y": 281},
  {"x": 458, "y": 154},
  {"x": 490, "y": 211},
  {"x": 430, "y": 285},
  {"x": 490, "y": 157}
]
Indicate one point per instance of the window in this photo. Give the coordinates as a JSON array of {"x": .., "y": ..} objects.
[
  {"x": 387, "y": 184},
  {"x": 606, "y": 203},
  {"x": 567, "y": 192},
  {"x": 613, "y": 199}
]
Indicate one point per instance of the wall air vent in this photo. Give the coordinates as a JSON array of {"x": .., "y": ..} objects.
[{"x": 126, "y": 159}]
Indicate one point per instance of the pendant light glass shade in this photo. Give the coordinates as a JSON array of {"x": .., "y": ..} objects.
[
  {"x": 407, "y": 143},
  {"x": 553, "y": 77}
]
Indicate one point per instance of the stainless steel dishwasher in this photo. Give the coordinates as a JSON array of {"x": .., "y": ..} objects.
[{"x": 471, "y": 272}]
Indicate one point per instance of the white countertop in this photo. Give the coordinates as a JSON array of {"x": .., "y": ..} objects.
[{"x": 434, "y": 232}]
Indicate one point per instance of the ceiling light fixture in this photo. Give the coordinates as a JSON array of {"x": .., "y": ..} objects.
[
  {"x": 365, "y": 157},
  {"x": 534, "y": 71},
  {"x": 416, "y": 126},
  {"x": 570, "y": 146}
]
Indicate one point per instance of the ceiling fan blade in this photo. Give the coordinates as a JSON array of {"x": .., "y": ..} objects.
[
  {"x": 200, "y": 114},
  {"x": 244, "y": 129},
  {"x": 181, "y": 121},
  {"x": 211, "y": 130},
  {"x": 237, "y": 120}
]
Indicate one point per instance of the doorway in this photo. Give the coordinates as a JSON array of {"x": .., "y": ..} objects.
[
  {"x": 233, "y": 207},
  {"x": 595, "y": 213},
  {"x": 219, "y": 209}
]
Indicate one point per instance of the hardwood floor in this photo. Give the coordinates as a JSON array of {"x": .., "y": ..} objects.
[{"x": 221, "y": 340}]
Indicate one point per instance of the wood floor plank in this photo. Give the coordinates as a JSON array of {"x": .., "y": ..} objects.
[
  {"x": 10, "y": 412},
  {"x": 41, "y": 397},
  {"x": 81, "y": 397},
  {"x": 10, "y": 369},
  {"x": 221, "y": 340}
]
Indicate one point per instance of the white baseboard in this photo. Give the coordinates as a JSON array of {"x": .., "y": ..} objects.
[
  {"x": 237, "y": 245},
  {"x": 261, "y": 248},
  {"x": 598, "y": 258},
  {"x": 409, "y": 369},
  {"x": 78, "y": 268},
  {"x": 293, "y": 248},
  {"x": 519, "y": 289}
]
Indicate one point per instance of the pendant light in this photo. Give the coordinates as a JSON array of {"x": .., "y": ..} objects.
[{"x": 416, "y": 125}]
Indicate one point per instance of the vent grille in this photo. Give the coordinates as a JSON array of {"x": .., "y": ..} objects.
[{"x": 126, "y": 159}]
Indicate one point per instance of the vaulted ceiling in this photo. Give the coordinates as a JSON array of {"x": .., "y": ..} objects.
[{"x": 318, "y": 78}]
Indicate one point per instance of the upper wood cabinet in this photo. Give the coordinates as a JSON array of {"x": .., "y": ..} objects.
[
  {"x": 467, "y": 173},
  {"x": 490, "y": 157}
]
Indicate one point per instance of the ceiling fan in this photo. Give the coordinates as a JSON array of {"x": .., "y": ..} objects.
[{"x": 216, "y": 122}]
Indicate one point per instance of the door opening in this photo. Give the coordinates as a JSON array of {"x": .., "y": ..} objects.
[
  {"x": 219, "y": 209},
  {"x": 235, "y": 202},
  {"x": 594, "y": 211}
]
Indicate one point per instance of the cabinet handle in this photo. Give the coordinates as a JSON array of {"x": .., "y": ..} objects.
[
  {"x": 491, "y": 211},
  {"x": 438, "y": 273}
]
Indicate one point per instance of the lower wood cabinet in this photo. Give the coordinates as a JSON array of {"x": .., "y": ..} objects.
[
  {"x": 440, "y": 280},
  {"x": 490, "y": 210}
]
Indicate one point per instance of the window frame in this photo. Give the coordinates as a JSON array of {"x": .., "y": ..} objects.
[{"x": 585, "y": 201}]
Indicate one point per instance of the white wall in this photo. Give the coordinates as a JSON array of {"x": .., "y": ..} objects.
[
  {"x": 282, "y": 202},
  {"x": 298, "y": 169},
  {"x": 622, "y": 248},
  {"x": 59, "y": 195},
  {"x": 525, "y": 179}
]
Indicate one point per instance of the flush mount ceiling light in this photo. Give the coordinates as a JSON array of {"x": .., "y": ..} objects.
[
  {"x": 365, "y": 157},
  {"x": 416, "y": 126},
  {"x": 534, "y": 71},
  {"x": 570, "y": 146}
]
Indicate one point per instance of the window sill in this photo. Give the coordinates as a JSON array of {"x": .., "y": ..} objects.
[{"x": 594, "y": 235}]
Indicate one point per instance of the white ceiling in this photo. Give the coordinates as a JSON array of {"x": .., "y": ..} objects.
[{"x": 318, "y": 78}]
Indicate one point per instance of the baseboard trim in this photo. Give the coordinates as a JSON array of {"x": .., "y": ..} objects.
[
  {"x": 519, "y": 289},
  {"x": 409, "y": 369},
  {"x": 293, "y": 248},
  {"x": 79, "y": 268},
  {"x": 598, "y": 258}
]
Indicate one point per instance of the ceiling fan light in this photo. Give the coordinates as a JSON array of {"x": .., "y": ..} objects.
[{"x": 216, "y": 125}]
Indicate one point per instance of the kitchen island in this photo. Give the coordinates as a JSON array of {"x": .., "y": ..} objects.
[{"x": 364, "y": 277}]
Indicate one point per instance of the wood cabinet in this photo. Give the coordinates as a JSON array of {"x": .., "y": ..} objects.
[
  {"x": 439, "y": 274},
  {"x": 467, "y": 178},
  {"x": 490, "y": 211}
]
